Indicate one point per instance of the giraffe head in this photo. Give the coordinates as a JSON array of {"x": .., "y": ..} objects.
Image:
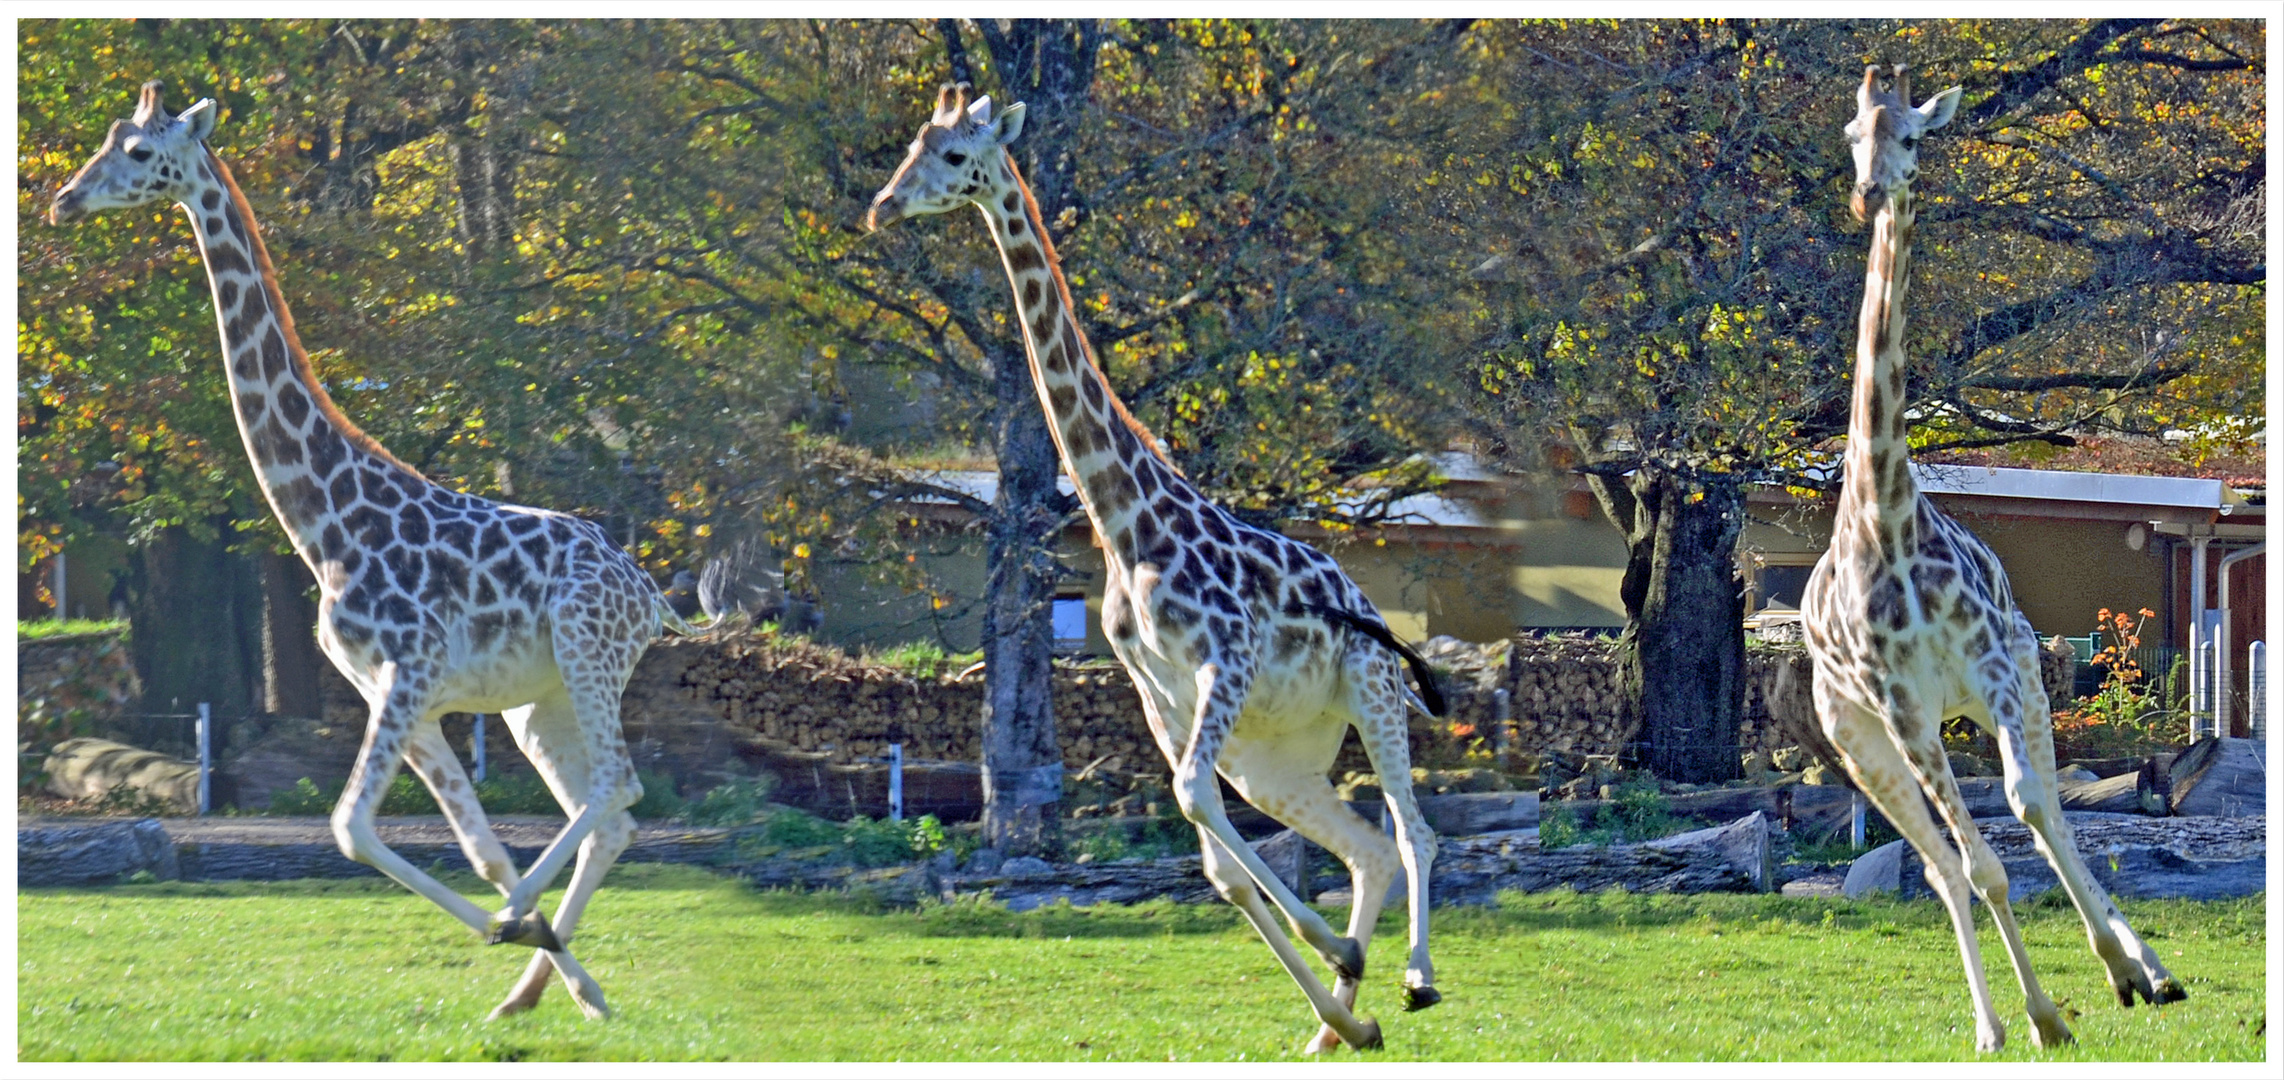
[
  {"x": 1884, "y": 137},
  {"x": 953, "y": 161},
  {"x": 150, "y": 157}
]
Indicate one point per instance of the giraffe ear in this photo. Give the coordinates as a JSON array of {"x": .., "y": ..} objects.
[
  {"x": 199, "y": 119},
  {"x": 1010, "y": 123},
  {"x": 1938, "y": 109}
]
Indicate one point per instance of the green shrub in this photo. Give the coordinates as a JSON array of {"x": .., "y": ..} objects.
[
  {"x": 519, "y": 793},
  {"x": 795, "y": 828},
  {"x": 303, "y": 799},
  {"x": 731, "y": 804},
  {"x": 516, "y": 793},
  {"x": 659, "y": 802},
  {"x": 885, "y": 843},
  {"x": 1637, "y": 811}
]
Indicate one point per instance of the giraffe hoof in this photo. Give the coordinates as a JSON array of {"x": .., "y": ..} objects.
[
  {"x": 2048, "y": 1033},
  {"x": 2169, "y": 991},
  {"x": 1347, "y": 959},
  {"x": 510, "y": 1007},
  {"x": 529, "y": 930},
  {"x": 1420, "y": 997},
  {"x": 1370, "y": 1035}
]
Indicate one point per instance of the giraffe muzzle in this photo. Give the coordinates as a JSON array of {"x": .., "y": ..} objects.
[
  {"x": 1865, "y": 199},
  {"x": 888, "y": 211},
  {"x": 68, "y": 205}
]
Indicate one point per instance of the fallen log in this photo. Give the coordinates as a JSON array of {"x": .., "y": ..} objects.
[{"x": 2199, "y": 858}]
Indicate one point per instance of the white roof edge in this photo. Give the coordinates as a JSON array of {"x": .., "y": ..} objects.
[{"x": 1996, "y": 482}]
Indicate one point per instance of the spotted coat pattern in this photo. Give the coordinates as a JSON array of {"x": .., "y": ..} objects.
[
  {"x": 1221, "y": 623},
  {"x": 1909, "y": 621},
  {"x": 431, "y": 601}
]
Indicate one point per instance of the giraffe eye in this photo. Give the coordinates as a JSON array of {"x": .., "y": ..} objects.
[
  {"x": 954, "y": 159},
  {"x": 1911, "y": 142},
  {"x": 140, "y": 153}
]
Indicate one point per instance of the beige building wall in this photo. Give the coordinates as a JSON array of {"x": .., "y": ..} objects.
[{"x": 1541, "y": 558}]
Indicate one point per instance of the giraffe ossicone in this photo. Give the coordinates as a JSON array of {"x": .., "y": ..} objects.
[
  {"x": 1252, "y": 652},
  {"x": 1909, "y": 621},
  {"x": 430, "y": 601}
]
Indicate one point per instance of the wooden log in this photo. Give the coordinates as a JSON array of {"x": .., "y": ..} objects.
[{"x": 2220, "y": 778}]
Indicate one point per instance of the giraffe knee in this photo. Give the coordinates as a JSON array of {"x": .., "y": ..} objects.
[{"x": 356, "y": 839}]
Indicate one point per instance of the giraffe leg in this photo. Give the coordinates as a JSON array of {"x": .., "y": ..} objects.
[
  {"x": 1286, "y": 780},
  {"x": 2026, "y": 751},
  {"x": 1375, "y": 696},
  {"x": 594, "y": 665},
  {"x": 400, "y": 703},
  {"x": 1886, "y": 778},
  {"x": 1987, "y": 875},
  {"x": 433, "y": 761},
  {"x": 1220, "y": 697},
  {"x": 1235, "y": 885},
  {"x": 551, "y": 734},
  {"x": 596, "y": 855}
]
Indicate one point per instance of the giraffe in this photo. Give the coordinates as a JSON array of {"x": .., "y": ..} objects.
[
  {"x": 1253, "y": 652},
  {"x": 431, "y": 601},
  {"x": 1909, "y": 620}
]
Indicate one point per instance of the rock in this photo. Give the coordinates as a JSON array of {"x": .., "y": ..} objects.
[
  {"x": 2104, "y": 768},
  {"x": 1964, "y": 765},
  {"x": 1819, "y": 775},
  {"x": 276, "y": 757},
  {"x": 1467, "y": 814},
  {"x": 1814, "y": 885},
  {"x": 55, "y": 854},
  {"x": 1026, "y": 866},
  {"x": 91, "y": 768},
  {"x": 1744, "y": 842},
  {"x": 2220, "y": 778},
  {"x": 1877, "y": 870},
  {"x": 2075, "y": 774},
  {"x": 984, "y": 861},
  {"x": 1789, "y": 759}
]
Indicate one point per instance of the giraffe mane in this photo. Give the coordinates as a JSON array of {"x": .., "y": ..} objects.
[
  {"x": 1071, "y": 312},
  {"x": 301, "y": 364}
]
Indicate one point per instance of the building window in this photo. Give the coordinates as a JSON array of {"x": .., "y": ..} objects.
[
  {"x": 1781, "y": 586},
  {"x": 1070, "y": 624}
]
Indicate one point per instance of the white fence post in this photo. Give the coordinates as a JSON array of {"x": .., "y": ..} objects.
[
  {"x": 478, "y": 740},
  {"x": 1856, "y": 820},
  {"x": 2256, "y": 688},
  {"x": 2201, "y": 704},
  {"x": 1502, "y": 718},
  {"x": 895, "y": 781},
  {"x": 205, "y": 758}
]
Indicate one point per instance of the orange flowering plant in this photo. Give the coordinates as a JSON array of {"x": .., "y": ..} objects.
[{"x": 2129, "y": 713}]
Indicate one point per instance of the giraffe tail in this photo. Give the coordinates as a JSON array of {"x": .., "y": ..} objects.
[
  {"x": 1430, "y": 697},
  {"x": 681, "y": 627}
]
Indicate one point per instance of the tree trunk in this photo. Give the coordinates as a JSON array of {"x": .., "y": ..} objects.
[
  {"x": 1681, "y": 659},
  {"x": 195, "y": 615},
  {"x": 1049, "y": 65},
  {"x": 289, "y": 653}
]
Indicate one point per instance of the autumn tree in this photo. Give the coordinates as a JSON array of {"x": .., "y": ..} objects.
[{"x": 1668, "y": 276}]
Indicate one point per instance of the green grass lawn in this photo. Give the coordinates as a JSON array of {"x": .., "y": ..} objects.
[{"x": 702, "y": 967}]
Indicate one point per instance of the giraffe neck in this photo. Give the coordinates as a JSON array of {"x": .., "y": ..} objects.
[
  {"x": 1878, "y": 487},
  {"x": 302, "y": 448},
  {"x": 1112, "y": 460}
]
